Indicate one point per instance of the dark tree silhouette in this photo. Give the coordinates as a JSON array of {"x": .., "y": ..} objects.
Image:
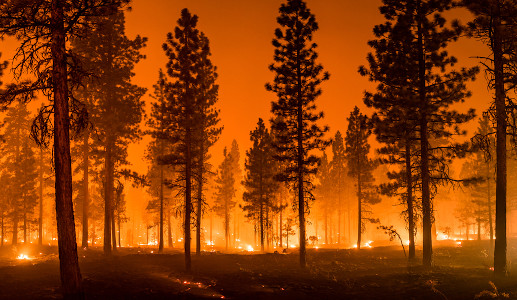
[
  {"x": 20, "y": 162},
  {"x": 260, "y": 186},
  {"x": 224, "y": 202},
  {"x": 361, "y": 167},
  {"x": 339, "y": 177},
  {"x": 415, "y": 38},
  {"x": 396, "y": 120},
  {"x": 323, "y": 193},
  {"x": 190, "y": 97},
  {"x": 208, "y": 130},
  {"x": 297, "y": 85},
  {"x": 157, "y": 149},
  {"x": 43, "y": 28},
  {"x": 118, "y": 108},
  {"x": 494, "y": 24}
]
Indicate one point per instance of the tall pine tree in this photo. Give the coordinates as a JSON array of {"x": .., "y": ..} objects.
[
  {"x": 297, "y": 85},
  {"x": 360, "y": 167}
]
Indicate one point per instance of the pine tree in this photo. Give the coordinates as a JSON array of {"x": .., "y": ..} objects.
[
  {"x": 237, "y": 175},
  {"x": 186, "y": 50},
  {"x": 156, "y": 150},
  {"x": 360, "y": 166},
  {"x": 20, "y": 162},
  {"x": 297, "y": 85},
  {"x": 482, "y": 168},
  {"x": 45, "y": 54},
  {"x": 413, "y": 42},
  {"x": 224, "y": 202},
  {"x": 259, "y": 184},
  {"x": 396, "y": 120},
  {"x": 339, "y": 177},
  {"x": 323, "y": 192},
  {"x": 494, "y": 24},
  {"x": 208, "y": 130},
  {"x": 118, "y": 108}
]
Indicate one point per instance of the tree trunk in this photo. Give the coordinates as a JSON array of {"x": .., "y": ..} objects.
[
  {"x": 25, "y": 225},
  {"x": 113, "y": 229},
  {"x": 424, "y": 149},
  {"x": 86, "y": 191},
  {"x": 281, "y": 221},
  {"x": 339, "y": 212},
  {"x": 40, "y": 219},
  {"x": 489, "y": 200},
  {"x": 500, "y": 106},
  {"x": 68, "y": 261},
  {"x": 108, "y": 196},
  {"x": 169, "y": 230},
  {"x": 199, "y": 208},
  {"x": 359, "y": 210},
  {"x": 300, "y": 163},
  {"x": 160, "y": 243},
  {"x": 226, "y": 223},
  {"x": 479, "y": 228},
  {"x": 15, "y": 231},
  {"x": 261, "y": 221},
  {"x": 409, "y": 200},
  {"x": 188, "y": 201},
  {"x": 119, "y": 231}
]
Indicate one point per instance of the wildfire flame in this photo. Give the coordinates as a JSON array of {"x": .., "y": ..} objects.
[{"x": 22, "y": 256}]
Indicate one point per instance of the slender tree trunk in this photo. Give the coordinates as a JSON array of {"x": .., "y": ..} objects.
[
  {"x": 479, "y": 228},
  {"x": 169, "y": 230},
  {"x": 113, "y": 229},
  {"x": 211, "y": 228},
  {"x": 108, "y": 196},
  {"x": 68, "y": 261},
  {"x": 119, "y": 231},
  {"x": 489, "y": 203},
  {"x": 234, "y": 228},
  {"x": 40, "y": 219},
  {"x": 500, "y": 106},
  {"x": 86, "y": 187},
  {"x": 349, "y": 221},
  {"x": 226, "y": 223},
  {"x": 25, "y": 225},
  {"x": 188, "y": 200},
  {"x": 280, "y": 225},
  {"x": 326, "y": 227},
  {"x": 359, "y": 210},
  {"x": 339, "y": 222},
  {"x": 160, "y": 243},
  {"x": 199, "y": 208},
  {"x": 15, "y": 231},
  {"x": 409, "y": 200},
  {"x": 267, "y": 228},
  {"x": 261, "y": 220},
  {"x": 424, "y": 149}
]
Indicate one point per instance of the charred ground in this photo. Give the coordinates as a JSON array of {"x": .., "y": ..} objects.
[{"x": 460, "y": 272}]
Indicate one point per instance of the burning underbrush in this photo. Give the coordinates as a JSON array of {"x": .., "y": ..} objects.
[{"x": 371, "y": 273}]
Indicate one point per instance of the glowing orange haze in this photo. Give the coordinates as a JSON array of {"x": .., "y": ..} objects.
[{"x": 240, "y": 33}]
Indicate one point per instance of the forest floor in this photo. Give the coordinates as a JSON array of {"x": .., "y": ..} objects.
[{"x": 460, "y": 272}]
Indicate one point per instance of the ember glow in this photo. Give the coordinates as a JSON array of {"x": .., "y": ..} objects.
[{"x": 22, "y": 257}]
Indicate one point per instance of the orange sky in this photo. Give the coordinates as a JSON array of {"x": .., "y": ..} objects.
[{"x": 240, "y": 32}]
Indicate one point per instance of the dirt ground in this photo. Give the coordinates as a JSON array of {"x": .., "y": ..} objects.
[{"x": 460, "y": 272}]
